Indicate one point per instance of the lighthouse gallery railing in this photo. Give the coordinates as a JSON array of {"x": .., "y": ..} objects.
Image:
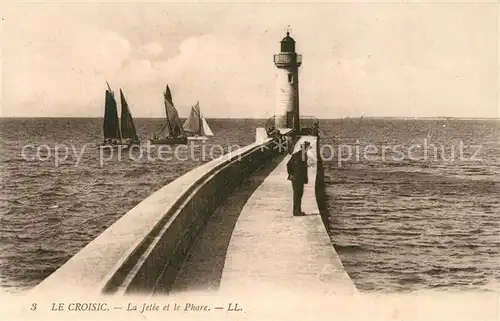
[{"x": 287, "y": 58}]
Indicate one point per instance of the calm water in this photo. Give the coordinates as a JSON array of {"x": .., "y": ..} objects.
[{"x": 398, "y": 224}]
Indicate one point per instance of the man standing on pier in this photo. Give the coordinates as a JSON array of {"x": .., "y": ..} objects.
[
  {"x": 297, "y": 173},
  {"x": 315, "y": 130}
]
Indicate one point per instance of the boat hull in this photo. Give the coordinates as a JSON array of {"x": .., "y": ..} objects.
[
  {"x": 115, "y": 146},
  {"x": 169, "y": 141},
  {"x": 197, "y": 138},
  {"x": 119, "y": 145}
]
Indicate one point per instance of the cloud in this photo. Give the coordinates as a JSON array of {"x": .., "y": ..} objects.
[
  {"x": 378, "y": 59},
  {"x": 151, "y": 49},
  {"x": 49, "y": 65},
  {"x": 208, "y": 69}
]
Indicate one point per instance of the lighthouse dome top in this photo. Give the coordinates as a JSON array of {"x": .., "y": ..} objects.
[{"x": 288, "y": 43}]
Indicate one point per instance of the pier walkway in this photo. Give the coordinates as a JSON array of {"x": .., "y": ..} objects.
[
  {"x": 254, "y": 243},
  {"x": 222, "y": 227}
]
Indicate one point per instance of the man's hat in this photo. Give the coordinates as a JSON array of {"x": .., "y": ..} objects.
[{"x": 305, "y": 145}]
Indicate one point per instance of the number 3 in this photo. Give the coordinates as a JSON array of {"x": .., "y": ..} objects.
[{"x": 33, "y": 307}]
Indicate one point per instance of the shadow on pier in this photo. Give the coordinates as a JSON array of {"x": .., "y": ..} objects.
[{"x": 203, "y": 266}]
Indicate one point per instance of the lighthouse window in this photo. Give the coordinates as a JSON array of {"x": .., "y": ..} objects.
[{"x": 290, "y": 78}]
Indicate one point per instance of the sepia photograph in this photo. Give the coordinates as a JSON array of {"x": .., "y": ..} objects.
[{"x": 273, "y": 160}]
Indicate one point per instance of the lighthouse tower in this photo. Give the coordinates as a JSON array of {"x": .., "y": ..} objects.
[{"x": 287, "y": 64}]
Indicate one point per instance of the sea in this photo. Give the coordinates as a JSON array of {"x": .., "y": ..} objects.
[{"x": 413, "y": 204}]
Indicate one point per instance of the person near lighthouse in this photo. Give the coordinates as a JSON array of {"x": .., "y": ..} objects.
[{"x": 297, "y": 174}]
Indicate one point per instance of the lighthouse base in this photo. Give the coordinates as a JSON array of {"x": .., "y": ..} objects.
[{"x": 284, "y": 131}]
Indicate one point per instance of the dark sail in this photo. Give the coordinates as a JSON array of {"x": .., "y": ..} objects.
[
  {"x": 168, "y": 95},
  {"x": 111, "y": 127},
  {"x": 173, "y": 125},
  {"x": 127, "y": 123},
  {"x": 172, "y": 132}
]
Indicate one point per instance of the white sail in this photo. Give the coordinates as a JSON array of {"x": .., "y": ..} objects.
[
  {"x": 192, "y": 124},
  {"x": 196, "y": 124},
  {"x": 206, "y": 129}
]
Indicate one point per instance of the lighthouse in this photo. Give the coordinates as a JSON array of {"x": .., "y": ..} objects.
[{"x": 287, "y": 64}]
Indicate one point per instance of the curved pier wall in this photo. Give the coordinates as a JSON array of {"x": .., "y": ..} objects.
[
  {"x": 143, "y": 250},
  {"x": 320, "y": 185}
]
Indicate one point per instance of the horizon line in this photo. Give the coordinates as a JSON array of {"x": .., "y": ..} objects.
[{"x": 257, "y": 118}]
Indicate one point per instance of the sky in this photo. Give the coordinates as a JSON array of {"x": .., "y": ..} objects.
[{"x": 383, "y": 59}]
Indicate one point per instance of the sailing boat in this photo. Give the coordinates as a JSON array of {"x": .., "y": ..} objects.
[
  {"x": 111, "y": 127},
  {"x": 128, "y": 132},
  {"x": 172, "y": 132},
  {"x": 196, "y": 126}
]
